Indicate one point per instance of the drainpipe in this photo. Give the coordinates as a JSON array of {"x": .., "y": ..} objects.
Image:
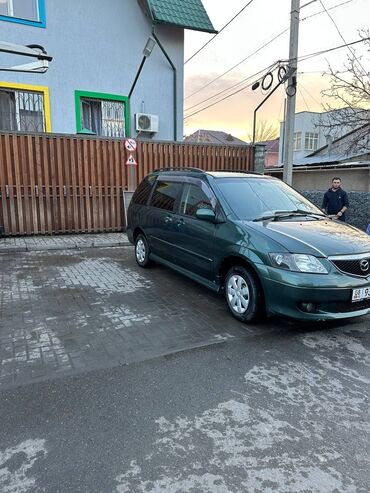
[
  {"x": 149, "y": 10},
  {"x": 174, "y": 82}
]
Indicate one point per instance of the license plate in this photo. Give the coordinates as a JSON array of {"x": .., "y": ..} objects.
[{"x": 361, "y": 294}]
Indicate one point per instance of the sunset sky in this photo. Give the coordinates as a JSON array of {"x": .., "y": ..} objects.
[{"x": 261, "y": 21}]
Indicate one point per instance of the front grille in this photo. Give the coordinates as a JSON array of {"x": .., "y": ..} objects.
[{"x": 354, "y": 267}]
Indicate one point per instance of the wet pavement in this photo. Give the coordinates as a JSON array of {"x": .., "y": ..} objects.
[
  {"x": 116, "y": 379},
  {"x": 66, "y": 312}
]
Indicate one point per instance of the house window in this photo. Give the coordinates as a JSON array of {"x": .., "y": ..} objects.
[
  {"x": 30, "y": 12},
  {"x": 24, "y": 110},
  {"x": 311, "y": 141},
  {"x": 102, "y": 114},
  {"x": 297, "y": 142}
]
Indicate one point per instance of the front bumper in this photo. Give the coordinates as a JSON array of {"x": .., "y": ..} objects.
[{"x": 312, "y": 296}]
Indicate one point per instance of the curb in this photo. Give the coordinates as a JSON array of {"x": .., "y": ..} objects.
[{"x": 24, "y": 249}]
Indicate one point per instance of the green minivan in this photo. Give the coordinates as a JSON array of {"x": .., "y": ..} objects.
[{"x": 254, "y": 238}]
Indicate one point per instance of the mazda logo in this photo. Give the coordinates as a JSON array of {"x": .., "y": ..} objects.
[{"x": 364, "y": 265}]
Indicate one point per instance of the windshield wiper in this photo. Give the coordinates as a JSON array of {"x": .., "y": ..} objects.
[
  {"x": 306, "y": 213},
  {"x": 284, "y": 214}
]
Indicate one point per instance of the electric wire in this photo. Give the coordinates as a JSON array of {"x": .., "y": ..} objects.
[
  {"x": 304, "y": 99},
  {"x": 309, "y": 94},
  {"x": 229, "y": 95},
  {"x": 231, "y": 87},
  {"x": 219, "y": 32},
  {"x": 302, "y": 58},
  {"x": 261, "y": 48},
  {"x": 239, "y": 63},
  {"x": 341, "y": 35}
]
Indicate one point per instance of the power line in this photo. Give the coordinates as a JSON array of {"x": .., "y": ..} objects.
[
  {"x": 239, "y": 63},
  {"x": 328, "y": 50},
  {"x": 304, "y": 57},
  {"x": 230, "y": 87},
  {"x": 219, "y": 32},
  {"x": 322, "y": 11},
  {"x": 261, "y": 48},
  {"x": 309, "y": 94},
  {"x": 341, "y": 35},
  {"x": 232, "y": 94},
  {"x": 304, "y": 99}
]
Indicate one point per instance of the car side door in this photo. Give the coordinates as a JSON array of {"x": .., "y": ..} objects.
[
  {"x": 194, "y": 238},
  {"x": 161, "y": 211}
]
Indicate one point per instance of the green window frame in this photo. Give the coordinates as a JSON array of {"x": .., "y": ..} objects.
[{"x": 99, "y": 96}]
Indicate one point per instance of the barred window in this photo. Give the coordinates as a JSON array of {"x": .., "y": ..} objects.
[
  {"x": 311, "y": 141},
  {"x": 22, "y": 111},
  {"x": 20, "y": 9},
  {"x": 103, "y": 117}
]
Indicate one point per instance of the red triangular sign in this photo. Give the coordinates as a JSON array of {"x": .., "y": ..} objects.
[{"x": 131, "y": 161}]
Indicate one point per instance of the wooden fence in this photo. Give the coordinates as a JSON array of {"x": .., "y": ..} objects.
[{"x": 67, "y": 184}]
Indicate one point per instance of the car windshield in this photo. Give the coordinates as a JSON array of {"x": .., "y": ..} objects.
[{"x": 254, "y": 198}]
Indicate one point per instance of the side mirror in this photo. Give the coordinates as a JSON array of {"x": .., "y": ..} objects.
[{"x": 205, "y": 215}]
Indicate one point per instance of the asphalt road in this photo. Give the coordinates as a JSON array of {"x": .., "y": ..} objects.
[{"x": 283, "y": 410}]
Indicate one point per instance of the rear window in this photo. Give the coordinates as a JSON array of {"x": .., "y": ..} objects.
[
  {"x": 142, "y": 193},
  {"x": 165, "y": 195}
]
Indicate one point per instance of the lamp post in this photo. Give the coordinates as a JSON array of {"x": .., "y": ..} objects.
[{"x": 147, "y": 51}]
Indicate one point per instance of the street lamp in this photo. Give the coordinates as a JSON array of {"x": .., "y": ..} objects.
[{"x": 147, "y": 51}]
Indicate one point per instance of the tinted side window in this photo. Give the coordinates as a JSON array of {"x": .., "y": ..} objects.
[
  {"x": 193, "y": 199},
  {"x": 143, "y": 191},
  {"x": 165, "y": 195}
]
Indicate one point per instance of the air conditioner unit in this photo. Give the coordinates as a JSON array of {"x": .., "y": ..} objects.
[{"x": 146, "y": 123}]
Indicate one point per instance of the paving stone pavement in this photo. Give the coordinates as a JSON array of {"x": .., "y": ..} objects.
[
  {"x": 65, "y": 312},
  {"x": 61, "y": 242}
]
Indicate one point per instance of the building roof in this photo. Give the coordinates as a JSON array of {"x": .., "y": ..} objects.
[
  {"x": 271, "y": 145},
  {"x": 342, "y": 138},
  {"x": 189, "y": 14},
  {"x": 214, "y": 137}
]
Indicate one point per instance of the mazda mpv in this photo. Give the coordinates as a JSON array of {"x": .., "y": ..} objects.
[{"x": 253, "y": 238}]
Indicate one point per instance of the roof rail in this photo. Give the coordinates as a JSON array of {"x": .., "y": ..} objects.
[
  {"x": 184, "y": 168},
  {"x": 239, "y": 171}
]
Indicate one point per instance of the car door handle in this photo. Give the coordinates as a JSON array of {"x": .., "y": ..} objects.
[{"x": 168, "y": 219}]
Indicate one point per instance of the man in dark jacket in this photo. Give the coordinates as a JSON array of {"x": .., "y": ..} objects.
[{"x": 335, "y": 202}]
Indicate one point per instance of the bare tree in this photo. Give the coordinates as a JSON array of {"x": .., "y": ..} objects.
[
  {"x": 265, "y": 131},
  {"x": 350, "y": 90}
]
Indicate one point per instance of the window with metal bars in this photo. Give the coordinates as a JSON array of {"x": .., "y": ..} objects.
[
  {"x": 22, "y": 111},
  {"x": 103, "y": 117}
]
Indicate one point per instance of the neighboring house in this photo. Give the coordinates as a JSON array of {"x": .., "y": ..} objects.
[
  {"x": 214, "y": 137},
  {"x": 98, "y": 48},
  {"x": 340, "y": 150},
  {"x": 272, "y": 153},
  {"x": 308, "y": 135}
]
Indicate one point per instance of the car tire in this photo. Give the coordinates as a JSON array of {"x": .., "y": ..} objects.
[
  {"x": 142, "y": 251},
  {"x": 243, "y": 294}
]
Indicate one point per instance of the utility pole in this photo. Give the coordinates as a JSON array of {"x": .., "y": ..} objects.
[{"x": 291, "y": 93}]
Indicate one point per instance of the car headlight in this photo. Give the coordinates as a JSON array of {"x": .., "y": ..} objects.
[{"x": 297, "y": 262}]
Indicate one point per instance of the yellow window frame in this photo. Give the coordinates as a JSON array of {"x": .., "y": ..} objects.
[{"x": 31, "y": 88}]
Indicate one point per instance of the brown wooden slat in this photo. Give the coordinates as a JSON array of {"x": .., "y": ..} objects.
[
  {"x": 62, "y": 184},
  {"x": 3, "y": 189},
  {"x": 10, "y": 183}
]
